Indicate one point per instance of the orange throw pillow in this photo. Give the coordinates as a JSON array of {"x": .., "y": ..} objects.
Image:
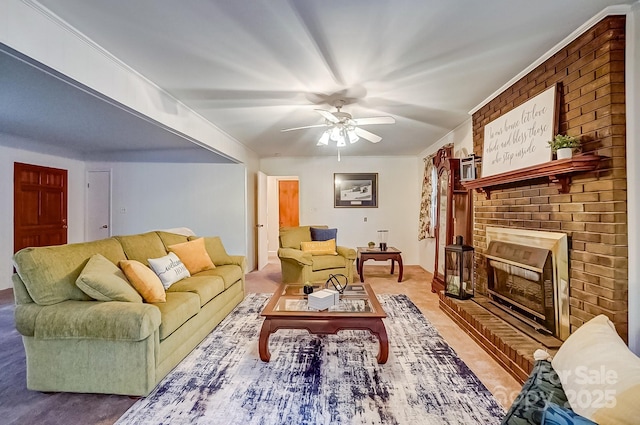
[
  {"x": 146, "y": 282},
  {"x": 193, "y": 255}
]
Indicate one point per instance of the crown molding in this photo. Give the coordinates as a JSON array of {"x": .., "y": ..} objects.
[{"x": 608, "y": 11}]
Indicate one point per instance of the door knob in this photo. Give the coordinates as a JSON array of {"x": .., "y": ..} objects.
[
  {"x": 104, "y": 226},
  {"x": 65, "y": 226},
  {"x": 259, "y": 225}
]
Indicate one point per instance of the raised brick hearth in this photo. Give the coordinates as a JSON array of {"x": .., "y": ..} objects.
[
  {"x": 507, "y": 345},
  {"x": 590, "y": 73}
]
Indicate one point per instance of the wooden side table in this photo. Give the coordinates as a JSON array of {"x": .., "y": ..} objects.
[{"x": 377, "y": 254}]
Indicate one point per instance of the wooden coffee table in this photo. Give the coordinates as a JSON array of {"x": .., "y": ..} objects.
[
  {"x": 376, "y": 254},
  {"x": 359, "y": 309}
]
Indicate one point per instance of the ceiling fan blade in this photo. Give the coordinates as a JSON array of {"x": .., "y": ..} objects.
[
  {"x": 306, "y": 126},
  {"x": 373, "y": 138},
  {"x": 327, "y": 115},
  {"x": 375, "y": 120}
]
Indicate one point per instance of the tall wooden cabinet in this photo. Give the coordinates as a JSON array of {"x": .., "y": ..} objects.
[{"x": 453, "y": 210}]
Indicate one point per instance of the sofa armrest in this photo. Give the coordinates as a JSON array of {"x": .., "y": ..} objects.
[
  {"x": 111, "y": 320},
  {"x": 301, "y": 257},
  {"x": 239, "y": 260},
  {"x": 25, "y": 316},
  {"x": 348, "y": 253}
]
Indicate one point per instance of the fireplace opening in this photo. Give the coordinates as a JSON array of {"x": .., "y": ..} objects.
[
  {"x": 521, "y": 282},
  {"x": 527, "y": 281}
]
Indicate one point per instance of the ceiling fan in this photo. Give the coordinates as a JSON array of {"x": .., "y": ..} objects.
[{"x": 342, "y": 127}]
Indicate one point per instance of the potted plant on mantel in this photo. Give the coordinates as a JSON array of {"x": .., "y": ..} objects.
[{"x": 564, "y": 145}]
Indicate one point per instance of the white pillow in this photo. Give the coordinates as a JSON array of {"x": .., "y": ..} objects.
[
  {"x": 599, "y": 374},
  {"x": 169, "y": 269}
]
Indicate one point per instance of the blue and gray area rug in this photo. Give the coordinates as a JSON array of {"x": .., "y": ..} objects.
[{"x": 311, "y": 379}]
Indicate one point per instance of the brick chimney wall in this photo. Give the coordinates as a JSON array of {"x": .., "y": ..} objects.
[{"x": 590, "y": 72}]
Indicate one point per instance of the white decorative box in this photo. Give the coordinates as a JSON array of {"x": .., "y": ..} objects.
[{"x": 323, "y": 299}]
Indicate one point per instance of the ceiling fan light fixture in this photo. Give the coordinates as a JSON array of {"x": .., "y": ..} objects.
[
  {"x": 353, "y": 137},
  {"x": 324, "y": 139},
  {"x": 342, "y": 138},
  {"x": 342, "y": 128},
  {"x": 335, "y": 134}
]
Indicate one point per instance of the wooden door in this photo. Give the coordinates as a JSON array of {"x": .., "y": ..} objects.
[
  {"x": 288, "y": 203},
  {"x": 39, "y": 206}
]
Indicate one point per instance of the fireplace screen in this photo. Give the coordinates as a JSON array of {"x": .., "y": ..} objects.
[{"x": 520, "y": 280}]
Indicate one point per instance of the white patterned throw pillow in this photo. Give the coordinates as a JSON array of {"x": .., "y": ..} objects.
[{"x": 169, "y": 269}]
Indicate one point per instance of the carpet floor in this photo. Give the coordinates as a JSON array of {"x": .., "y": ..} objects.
[{"x": 320, "y": 379}]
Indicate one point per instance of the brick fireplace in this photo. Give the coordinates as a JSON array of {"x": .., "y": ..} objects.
[{"x": 593, "y": 213}]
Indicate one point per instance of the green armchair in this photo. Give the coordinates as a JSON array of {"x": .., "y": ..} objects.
[{"x": 301, "y": 267}]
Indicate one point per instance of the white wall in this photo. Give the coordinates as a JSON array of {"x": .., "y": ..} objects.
[
  {"x": 208, "y": 198},
  {"x": 462, "y": 139},
  {"x": 398, "y": 198},
  {"x": 632, "y": 79},
  {"x": 13, "y": 149}
]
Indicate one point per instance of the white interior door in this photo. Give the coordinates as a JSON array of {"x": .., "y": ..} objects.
[
  {"x": 98, "y": 205},
  {"x": 261, "y": 226}
]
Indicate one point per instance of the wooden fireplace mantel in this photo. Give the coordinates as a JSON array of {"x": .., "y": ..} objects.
[{"x": 558, "y": 171}]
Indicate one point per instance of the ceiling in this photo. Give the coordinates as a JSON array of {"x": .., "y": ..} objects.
[
  {"x": 255, "y": 67},
  {"x": 41, "y": 104}
]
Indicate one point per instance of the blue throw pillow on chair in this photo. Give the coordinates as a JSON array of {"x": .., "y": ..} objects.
[{"x": 319, "y": 234}]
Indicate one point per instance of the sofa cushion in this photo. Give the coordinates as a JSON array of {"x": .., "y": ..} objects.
[
  {"x": 194, "y": 255},
  {"x": 146, "y": 282},
  {"x": 325, "y": 262},
  {"x": 169, "y": 269},
  {"x": 142, "y": 246},
  {"x": 320, "y": 234},
  {"x": 542, "y": 386},
  {"x": 320, "y": 247},
  {"x": 168, "y": 238},
  {"x": 230, "y": 273},
  {"x": 179, "y": 307},
  {"x": 50, "y": 273},
  {"x": 112, "y": 320},
  {"x": 599, "y": 373},
  {"x": 206, "y": 286},
  {"x": 104, "y": 281},
  {"x": 216, "y": 250}
]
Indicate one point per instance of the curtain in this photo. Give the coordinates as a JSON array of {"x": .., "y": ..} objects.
[{"x": 427, "y": 203}]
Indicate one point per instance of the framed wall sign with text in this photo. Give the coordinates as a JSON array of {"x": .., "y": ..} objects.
[
  {"x": 355, "y": 190},
  {"x": 518, "y": 139}
]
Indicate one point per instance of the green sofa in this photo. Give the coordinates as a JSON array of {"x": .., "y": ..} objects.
[
  {"x": 301, "y": 267},
  {"x": 76, "y": 344}
]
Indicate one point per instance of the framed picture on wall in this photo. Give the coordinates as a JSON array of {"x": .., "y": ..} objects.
[{"x": 355, "y": 190}]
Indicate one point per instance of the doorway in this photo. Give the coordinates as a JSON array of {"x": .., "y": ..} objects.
[
  {"x": 39, "y": 206},
  {"x": 273, "y": 211},
  {"x": 98, "y": 219},
  {"x": 288, "y": 203}
]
